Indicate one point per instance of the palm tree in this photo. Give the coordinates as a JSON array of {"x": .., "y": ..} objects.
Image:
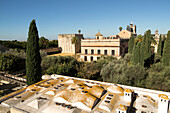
[
  {"x": 79, "y": 31},
  {"x": 140, "y": 38},
  {"x": 120, "y": 28},
  {"x": 75, "y": 41}
]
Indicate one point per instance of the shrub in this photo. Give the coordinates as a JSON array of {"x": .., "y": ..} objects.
[
  {"x": 11, "y": 63},
  {"x": 158, "y": 77},
  {"x": 60, "y": 65}
]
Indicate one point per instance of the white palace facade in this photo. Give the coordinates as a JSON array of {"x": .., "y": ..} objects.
[{"x": 92, "y": 49}]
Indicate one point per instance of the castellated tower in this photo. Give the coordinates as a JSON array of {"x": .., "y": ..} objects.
[
  {"x": 131, "y": 28},
  {"x": 163, "y": 103}
]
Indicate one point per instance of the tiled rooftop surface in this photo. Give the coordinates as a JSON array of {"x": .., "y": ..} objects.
[{"x": 62, "y": 94}]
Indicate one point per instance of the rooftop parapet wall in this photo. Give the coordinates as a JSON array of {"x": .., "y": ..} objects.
[
  {"x": 68, "y": 35},
  {"x": 101, "y": 42}
]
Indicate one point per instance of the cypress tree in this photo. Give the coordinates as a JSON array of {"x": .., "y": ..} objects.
[
  {"x": 166, "y": 51},
  {"x": 147, "y": 48},
  {"x": 137, "y": 54},
  {"x": 141, "y": 60},
  {"x": 131, "y": 44},
  {"x": 147, "y": 45},
  {"x": 159, "y": 51},
  {"x": 33, "y": 59}
]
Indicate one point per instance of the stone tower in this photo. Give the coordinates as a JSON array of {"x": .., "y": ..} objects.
[
  {"x": 131, "y": 28},
  {"x": 65, "y": 42}
]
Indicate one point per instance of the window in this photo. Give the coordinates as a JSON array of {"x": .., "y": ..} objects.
[
  {"x": 105, "y": 52},
  {"x": 164, "y": 100},
  {"x": 92, "y": 51},
  {"x": 113, "y": 52},
  {"x": 98, "y": 52},
  {"x": 128, "y": 94},
  {"x": 86, "y": 52},
  {"x": 98, "y": 58},
  {"x": 91, "y": 58},
  {"x": 85, "y": 58},
  {"x": 97, "y": 37}
]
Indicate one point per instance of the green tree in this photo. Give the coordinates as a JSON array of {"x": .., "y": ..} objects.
[
  {"x": 159, "y": 51},
  {"x": 53, "y": 43},
  {"x": 131, "y": 44},
  {"x": 158, "y": 77},
  {"x": 79, "y": 31},
  {"x": 137, "y": 54},
  {"x": 138, "y": 39},
  {"x": 33, "y": 58},
  {"x": 43, "y": 42},
  {"x": 147, "y": 45},
  {"x": 11, "y": 63},
  {"x": 147, "y": 49},
  {"x": 166, "y": 51},
  {"x": 120, "y": 28}
]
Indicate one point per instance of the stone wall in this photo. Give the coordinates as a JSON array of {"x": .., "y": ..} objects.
[{"x": 65, "y": 42}]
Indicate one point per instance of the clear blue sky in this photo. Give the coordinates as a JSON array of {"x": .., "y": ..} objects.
[{"x": 55, "y": 17}]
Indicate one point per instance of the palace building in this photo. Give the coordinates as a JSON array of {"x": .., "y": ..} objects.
[{"x": 92, "y": 49}]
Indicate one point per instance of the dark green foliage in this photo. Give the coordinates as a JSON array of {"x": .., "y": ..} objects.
[
  {"x": 92, "y": 70},
  {"x": 33, "y": 59},
  {"x": 15, "y": 52},
  {"x": 53, "y": 43},
  {"x": 14, "y": 44},
  {"x": 137, "y": 54},
  {"x": 11, "y": 63},
  {"x": 60, "y": 65},
  {"x": 89, "y": 71},
  {"x": 120, "y": 28},
  {"x": 158, "y": 77},
  {"x": 112, "y": 71},
  {"x": 134, "y": 76},
  {"x": 127, "y": 58},
  {"x": 159, "y": 51},
  {"x": 147, "y": 45},
  {"x": 43, "y": 43},
  {"x": 166, "y": 51},
  {"x": 131, "y": 44},
  {"x": 120, "y": 72}
]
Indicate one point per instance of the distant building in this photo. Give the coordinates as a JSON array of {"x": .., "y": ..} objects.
[
  {"x": 65, "y": 42},
  {"x": 116, "y": 45},
  {"x": 156, "y": 37},
  {"x": 92, "y": 49}
]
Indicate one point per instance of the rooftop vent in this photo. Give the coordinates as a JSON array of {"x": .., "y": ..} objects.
[
  {"x": 110, "y": 95},
  {"x": 84, "y": 91},
  {"x": 108, "y": 98},
  {"x": 33, "y": 89},
  {"x": 55, "y": 87},
  {"x": 106, "y": 101},
  {"x": 73, "y": 89}
]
